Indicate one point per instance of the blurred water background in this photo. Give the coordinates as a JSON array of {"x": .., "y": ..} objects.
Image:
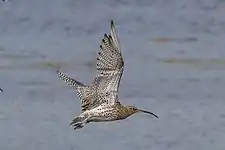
[{"x": 174, "y": 53}]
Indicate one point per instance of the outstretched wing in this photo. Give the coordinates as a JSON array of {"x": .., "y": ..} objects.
[
  {"x": 87, "y": 94},
  {"x": 80, "y": 87},
  {"x": 110, "y": 69},
  {"x": 110, "y": 66}
]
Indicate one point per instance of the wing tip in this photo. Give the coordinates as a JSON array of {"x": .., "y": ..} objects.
[
  {"x": 112, "y": 22},
  {"x": 58, "y": 72}
]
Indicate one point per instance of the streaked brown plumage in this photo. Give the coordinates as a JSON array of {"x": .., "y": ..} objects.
[{"x": 100, "y": 100}]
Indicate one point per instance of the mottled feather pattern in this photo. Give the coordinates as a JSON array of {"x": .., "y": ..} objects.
[
  {"x": 106, "y": 112},
  {"x": 80, "y": 87},
  {"x": 87, "y": 94},
  {"x": 110, "y": 67},
  {"x": 109, "y": 60},
  {"x": 100, "y": 100},
  {"x": 68, "y": 80},
  {"x": 105, "y": 84}
]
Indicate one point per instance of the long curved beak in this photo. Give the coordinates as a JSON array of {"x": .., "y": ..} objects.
[{"x": 148, "y": 112}]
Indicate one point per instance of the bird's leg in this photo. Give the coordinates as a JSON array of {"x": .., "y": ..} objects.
[
  {"x": 87, "y": 120},
  {"x": 78, "y": 125},
  {"x": 79, "y": 122}
]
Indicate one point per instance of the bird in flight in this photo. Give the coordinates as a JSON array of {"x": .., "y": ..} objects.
[{"x": 99, "y": 100}]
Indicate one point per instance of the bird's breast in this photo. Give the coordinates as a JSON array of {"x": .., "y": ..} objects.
[{"x": 106, "y": 113}]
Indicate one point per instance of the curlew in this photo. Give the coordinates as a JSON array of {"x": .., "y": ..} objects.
[{"x": 99, "y": 100}]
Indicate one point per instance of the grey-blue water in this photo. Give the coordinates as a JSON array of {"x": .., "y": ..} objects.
[{"x": 174, "y": 53}]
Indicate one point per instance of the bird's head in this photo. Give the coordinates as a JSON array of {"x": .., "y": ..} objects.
[{"x": 133, "y": 110}]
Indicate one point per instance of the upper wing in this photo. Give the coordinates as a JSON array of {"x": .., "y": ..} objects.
[
  {"x": 110, "y": 66},
  {"x": 110, "y": 69}
]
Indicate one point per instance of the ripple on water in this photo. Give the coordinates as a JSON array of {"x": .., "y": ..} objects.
[{"x": 197, "y": 62}]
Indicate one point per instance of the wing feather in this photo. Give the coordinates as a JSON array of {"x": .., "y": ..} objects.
[
  {"x": 80, "y": 87},
  {"x": 110, "y": 66},
  {"x": 105, "y": 85}
]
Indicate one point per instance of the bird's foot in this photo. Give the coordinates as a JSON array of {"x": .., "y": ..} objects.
[
  {"x": 79, "y": 122},
  {"x": 77, "y": 125}
]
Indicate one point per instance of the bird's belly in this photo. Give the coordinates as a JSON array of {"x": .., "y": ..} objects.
[
  {"x": 102, "y": 119},
  {"x": 103, "y": 114}
]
